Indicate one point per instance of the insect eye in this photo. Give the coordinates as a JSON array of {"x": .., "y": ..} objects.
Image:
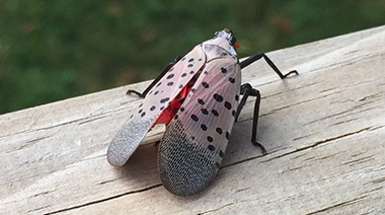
[{"x": 233, "y": 41}]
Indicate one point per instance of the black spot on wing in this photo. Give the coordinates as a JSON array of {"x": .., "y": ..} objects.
[
  {"x": 170, "y": 76},
  {"x": 221, "y": 153},
  {"x": 218, "y": 97},
  {"x": 201, "y": 102},
  {"x": 227, "y": 105},
  {"x": 164, "y": 100},
  {"x": 210, "y": 139},
  {"x": 214, "y": 112},
  {"x": 227, "y": 135},
  {"x": 194, "y": 117}
]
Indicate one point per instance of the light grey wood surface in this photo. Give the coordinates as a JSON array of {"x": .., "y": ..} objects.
[{"x": 324, "y": 131}]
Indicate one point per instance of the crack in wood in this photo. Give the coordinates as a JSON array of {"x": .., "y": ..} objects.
[
  {"x": 297, "y": 103},
  {"x": 359, "y": 160},
  {"x": 29, "y": 143},
  {"x": 108, "y": 181},
  {"x": 241, "y": 161},
  {"x": 41, "y": 193},
  {"x": 301, "y": 137},
  {"x": 293, "y": 169},
  {"x": 103, "y": 200},
  {"x": 330, "y": 116},
  {"x": 327, "y": 156},
  {"x": 372, "y": 190},
  {"x": 344, "y": 121},
  {"x": 217, "y": 209},
  {"x": 94, "y": 119},
  {"x": 342, "y": 204},
  {"x": 319, "y": 143},
  {"x": 38, "y": 209}
]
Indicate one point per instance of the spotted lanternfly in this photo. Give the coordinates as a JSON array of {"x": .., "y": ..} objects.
[{"x": 198, "y": 97}]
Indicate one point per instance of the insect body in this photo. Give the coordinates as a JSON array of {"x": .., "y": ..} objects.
[{"x": 198, "y": 98}]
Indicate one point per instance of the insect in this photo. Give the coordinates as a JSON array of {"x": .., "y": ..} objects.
[{"x": 198, "y": 97}]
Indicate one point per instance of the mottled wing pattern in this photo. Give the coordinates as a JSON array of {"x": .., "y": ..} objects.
[
  {"x": 159, "y": 97},
  {"x": 196, "y": 139}
]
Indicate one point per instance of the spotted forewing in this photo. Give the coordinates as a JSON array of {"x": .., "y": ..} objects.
[{"x": 156, "y": 101}]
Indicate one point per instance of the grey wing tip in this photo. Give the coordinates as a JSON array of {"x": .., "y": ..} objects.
[
  {"x": 115, "y": 158},
  {"x": 126, "y": 141}
]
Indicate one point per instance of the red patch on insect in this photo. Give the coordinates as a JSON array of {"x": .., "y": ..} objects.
[
  {"x": 237, "y": 46},
  {"x": 174, "y": 106}
]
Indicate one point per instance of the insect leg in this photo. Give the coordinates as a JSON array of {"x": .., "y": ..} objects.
[
  {"x": 247, "y": 90},
  {"x": 165, "y": 70},
  {"x": 258, "y": 56}
]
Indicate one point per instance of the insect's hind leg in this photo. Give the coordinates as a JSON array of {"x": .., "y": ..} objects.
[
  {"x": 165, "y": 70},
  {"x": 258, "y": 56},
  {"x": 247, "y": 90}
]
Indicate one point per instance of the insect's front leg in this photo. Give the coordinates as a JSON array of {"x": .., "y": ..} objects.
[
  {"x": 165, "y": 70},
  {"x": 258, "y": 56},
  {"x": 247, "y": 90}
]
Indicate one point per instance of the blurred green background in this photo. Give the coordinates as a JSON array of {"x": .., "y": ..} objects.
[{"x": 51, "y": 50}]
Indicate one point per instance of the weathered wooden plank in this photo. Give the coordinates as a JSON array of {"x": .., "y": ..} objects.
[{"x": 323, "y": 130}]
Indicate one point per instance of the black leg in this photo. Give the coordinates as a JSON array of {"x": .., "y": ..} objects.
[
  {"x": 165, "y": 70},
  {"x": 247, "y": 90},
  {"x": 258, "y": 56}
]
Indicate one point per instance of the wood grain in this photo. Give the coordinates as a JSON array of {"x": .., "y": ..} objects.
[{"x": 324, "y": 131}]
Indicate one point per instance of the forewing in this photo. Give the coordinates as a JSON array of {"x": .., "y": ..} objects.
[
  {"x": 158, "y": 98},
  {"x": 196, "y": 139}
]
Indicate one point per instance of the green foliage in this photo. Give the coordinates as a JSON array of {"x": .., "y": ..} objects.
[{"x": 51, "y": 50}]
